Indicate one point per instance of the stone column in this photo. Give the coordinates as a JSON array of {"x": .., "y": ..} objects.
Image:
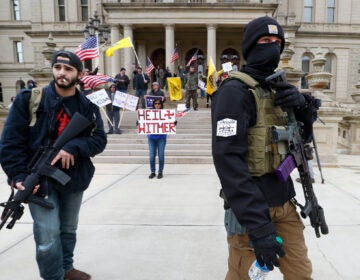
[
  {"x": 115, "y": 59},
  {"x": 330, "y": 113},
  {"x": 129, "y": 57},
  {"x": 169, "y": 46},
  {"x": 141, "y": 52},
  {"x": 211, "y": 43}
]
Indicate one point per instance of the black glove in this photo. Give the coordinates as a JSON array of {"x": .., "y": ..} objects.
[
  {"x": 287, "y": 95},
  {"x": 268, "y": 250}
]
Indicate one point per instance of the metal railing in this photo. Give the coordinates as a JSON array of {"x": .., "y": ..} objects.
[{"x": 194, "y": 1}]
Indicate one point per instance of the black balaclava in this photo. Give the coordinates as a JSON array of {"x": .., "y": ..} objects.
[{"x": 261, "y": 59}]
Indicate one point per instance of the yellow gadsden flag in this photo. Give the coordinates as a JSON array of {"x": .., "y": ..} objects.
[
  {"x": 123, "y": 43},
  {"x": 174, "y": 88},
  {"x": 211, "y": 78}
]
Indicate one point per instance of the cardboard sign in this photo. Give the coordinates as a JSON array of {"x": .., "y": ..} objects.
[
  {"x": 201, "y": 85},
  {"x": 125, "y": 101},
  {"x": 151, "y": 121},
  {"x": 99, "y": 98},
  {"x": 227, "y": 67}
]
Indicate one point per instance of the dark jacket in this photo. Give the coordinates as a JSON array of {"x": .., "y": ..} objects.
[
  {"x": 157, "y": 93},
  {"x": 19, "y": 141},
  {"x": 249, "y": 197},
  {"x": 122, "y": 82},
  {"x": 139, "y": 81}
]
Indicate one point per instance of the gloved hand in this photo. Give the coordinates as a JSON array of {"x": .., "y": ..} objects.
[
  {"x": 268, "y": 250},
  {"x": 287, "y": 95}
]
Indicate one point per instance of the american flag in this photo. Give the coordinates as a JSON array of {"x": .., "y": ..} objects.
[
  {"x": 88, "y": 49},
  {"x": 179, "y": 115},
  {"x": 94, "y": 81},
  {"x": 149, "y": 66},
  {"x": 193, "y": 58},
  {"x": 174, "y": 56}
]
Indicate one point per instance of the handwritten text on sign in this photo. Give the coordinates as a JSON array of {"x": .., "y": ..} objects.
[
  {"x": 156, "y": 121},
  {"x": 100, "y": 98},
  {"x": 125, "y": 101}
]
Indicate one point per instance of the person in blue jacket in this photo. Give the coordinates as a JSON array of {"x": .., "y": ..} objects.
[{"x": 54, "y": 229}]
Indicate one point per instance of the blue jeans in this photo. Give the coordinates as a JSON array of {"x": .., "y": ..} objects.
[
  {"x": 55, "y": 233},
  {"x": 159, "y": 145},
  {"x": 141, "y": 93}
]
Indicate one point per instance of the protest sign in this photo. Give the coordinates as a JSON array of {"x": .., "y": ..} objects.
[
  {"x": 125, "y": 101},
  {"x": 149, "y": 100},
  {"x": 227, "y": 67},
  {"x": 99, "y": 98},
  {"x": 151, "y": 121}
]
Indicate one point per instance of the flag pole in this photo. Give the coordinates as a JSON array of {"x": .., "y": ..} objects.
[
  {"x": 124, "y": 108},
  {"x": 97, "y": 60},
  {"x": 106, "y": 115}
]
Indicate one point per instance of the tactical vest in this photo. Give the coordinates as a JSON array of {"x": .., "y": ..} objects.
[{"x": 263, "y": 155}]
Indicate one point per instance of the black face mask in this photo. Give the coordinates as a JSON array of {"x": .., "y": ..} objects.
[{"x": 262, "y": 60}]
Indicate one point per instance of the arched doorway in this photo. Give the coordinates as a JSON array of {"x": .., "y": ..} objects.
[
  {"x": 158, "y": 59},
  {"x": 230, "y": 55},
  {"x": 199, "y": 62}
]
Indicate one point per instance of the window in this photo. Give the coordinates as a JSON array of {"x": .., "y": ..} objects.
[
  {"x": 308, "y": 10},
  {"x": 16, "y": 9},
  {"x": 330, "y": 11},
  {"x": 84, "y": 10},
  {"x": 61, "y": 9},
  {"x": 19, "y": 52},
  {"x": 305, "y": 67},
  {"x": 329, "y": 67}
]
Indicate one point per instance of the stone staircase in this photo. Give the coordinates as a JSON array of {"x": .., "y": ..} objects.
[{"x": 190, "y": 145}]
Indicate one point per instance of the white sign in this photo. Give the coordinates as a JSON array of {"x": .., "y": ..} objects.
[
  {"x": 181, "y": 107},
  {"x": 227, "y": 67},
  {"x": 201, "y": 85},
  {"x": 99, "y": 98},
  {"x": 125, "y": 101},
  {"x": 152, "y": 121}
]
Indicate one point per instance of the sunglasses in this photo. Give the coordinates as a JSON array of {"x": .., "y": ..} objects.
[{"x": 157, "y": 103}]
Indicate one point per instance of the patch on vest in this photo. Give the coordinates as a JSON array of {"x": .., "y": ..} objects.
[{"x": 226, "y": 127}]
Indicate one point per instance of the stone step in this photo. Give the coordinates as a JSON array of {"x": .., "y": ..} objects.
[
  {"x": 145, "y": 159},
  {"x": 170, "y": 140},
  {"x": 169, "y": 146},
  {"x": 168, "y": 152}
]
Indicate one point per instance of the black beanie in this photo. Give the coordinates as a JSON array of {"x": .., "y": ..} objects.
[
  {"x": 259, "y": 27},
  {"x": 74, "y": 60}
]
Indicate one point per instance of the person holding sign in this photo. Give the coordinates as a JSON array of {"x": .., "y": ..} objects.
[
  {"x": 113, "y": 112},
  {"x": 157, "y": 143}
]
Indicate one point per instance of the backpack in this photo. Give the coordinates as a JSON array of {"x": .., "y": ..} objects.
[{"x": 34, "y": 102}]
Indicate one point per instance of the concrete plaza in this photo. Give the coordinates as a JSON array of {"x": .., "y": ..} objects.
[{"x": 133, "y": 228}]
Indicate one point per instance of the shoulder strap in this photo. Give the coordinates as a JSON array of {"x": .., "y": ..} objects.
[
  {"x": 245, "y": 78},
  {"x": 34, "y": 102}
]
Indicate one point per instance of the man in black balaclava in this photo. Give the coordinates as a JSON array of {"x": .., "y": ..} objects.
[{"x": 257, "y": 204}]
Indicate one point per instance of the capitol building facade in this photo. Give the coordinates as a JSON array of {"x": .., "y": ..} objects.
[{"x": 313, "y": 28}]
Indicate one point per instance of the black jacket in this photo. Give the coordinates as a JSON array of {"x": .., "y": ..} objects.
[
  {"x": 19, "y": 142},
  {"x": 249, "y": 197},
  {"x": 122, "y": 82},
  {"x": 139, "y": 81}
]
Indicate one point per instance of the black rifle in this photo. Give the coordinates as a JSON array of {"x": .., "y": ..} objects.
[
  {"x": 41, "y": 166},
  {"x": 299, "y": 153}
]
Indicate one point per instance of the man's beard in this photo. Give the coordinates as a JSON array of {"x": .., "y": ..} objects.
[{"x": 72, "y": 82}]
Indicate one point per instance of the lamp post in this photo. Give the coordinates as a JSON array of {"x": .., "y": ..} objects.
[{"x": 95, "y": 28}]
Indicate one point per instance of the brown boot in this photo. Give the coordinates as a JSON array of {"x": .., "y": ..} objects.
[{"x": 75, "y": 274}]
